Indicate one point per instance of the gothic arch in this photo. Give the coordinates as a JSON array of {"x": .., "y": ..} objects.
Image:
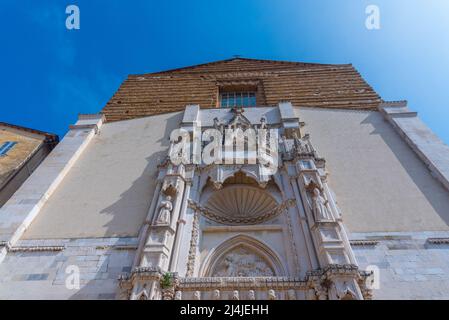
[{"x": 256, "y": 247}]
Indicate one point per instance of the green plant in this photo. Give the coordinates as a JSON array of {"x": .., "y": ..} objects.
[{"x": 167, "y": 280}]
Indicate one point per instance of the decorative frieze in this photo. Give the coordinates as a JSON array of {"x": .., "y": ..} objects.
[{"x": 193, "y": 245}]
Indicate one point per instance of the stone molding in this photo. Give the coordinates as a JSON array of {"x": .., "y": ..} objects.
[
  {"x": 36, "y": 248},
  {"x": 364, "y": 242},
  {"x": 438, "y": 240},
  {"x": 320, "y": 281}
]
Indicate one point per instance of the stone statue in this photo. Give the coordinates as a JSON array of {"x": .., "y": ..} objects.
[
  {"x": 235, "y": 295},
  {"x": 283, "y": 147},
  {"x": 216, "y": 295},
  {"x": 263, "y": 123},
  {"x": 271, "y": 294},
  {"x": 218, "y": 126},
  {"x": 319, "y": 206},
  {"x": 251, "y": 295},
  {"x": 197, "y": 295},
  {"x": 178, "y": 295},
  {"x": 165, "y": 211}
]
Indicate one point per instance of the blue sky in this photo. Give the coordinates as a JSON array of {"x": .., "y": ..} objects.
[{"x": 50, "y": 74}]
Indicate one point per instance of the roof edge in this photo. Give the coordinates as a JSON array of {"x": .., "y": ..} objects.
[
  {"x": 50, "y": 137},
  {"x": 239, "y": 58}
]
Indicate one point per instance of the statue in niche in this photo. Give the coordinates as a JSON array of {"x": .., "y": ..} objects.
[
  {"x": 235, "y": 295},
  {"x": 283, "y": 146},
  {"x": 271, "y": 294},
  {"x": 165, "y": 211},
  {"x": 242, "y": 263},
  {"x": 251, "y": 295},
  {"x": 319, "y": 206},
  {"x": 178, "y": 295}
]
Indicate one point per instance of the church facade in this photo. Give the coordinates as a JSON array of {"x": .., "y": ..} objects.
[{"x": 240, "y": 179}]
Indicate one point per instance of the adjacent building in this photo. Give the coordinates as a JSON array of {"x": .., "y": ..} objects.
[
  {"x": 21, "y": 151},
  {"x": 349, "y": 200}
]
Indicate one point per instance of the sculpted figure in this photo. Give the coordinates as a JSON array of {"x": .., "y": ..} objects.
[
  {"x": 235, "y": 295},
  {"x": 251, "y": 295},
  {"x": 271, "y": 294},
  {"x": 216, "y": 295},
  {"x": 263, "y": 123},
  {"x": 197, "y": 295},
  {"x": 218, "y": 126},
  {"x": 299, "y": 146},
  {"x": 319, "y": 206},
  {"x": 165, "y": 211},
  {"x": 178, "y": 295}
]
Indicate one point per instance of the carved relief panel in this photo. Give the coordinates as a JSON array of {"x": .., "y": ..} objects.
[{"x": 241, "y": 262}]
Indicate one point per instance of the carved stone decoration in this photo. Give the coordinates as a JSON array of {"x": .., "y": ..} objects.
[
  {"x": 197, "y": 295},
  {"x": 343, "y": 291},
  {"x": 218, "y": 126},
  {"x": 311, "y": 294},
  {"x": 239, "y": 120},
  {"x": 302, "y": 145},
  {"x": 216, "y": 294},
  {"x": 348, "y": 294},
  {"x": 271, "y": 295},
  {"x": 193, "y": 246},
  {"x": 251, "y": 295},
  {"x": 263, "y": 123},
  {"x": 291, "y": 236},
  {"x": 168, "y": 294},
  {"x": 241, "y": 262},
  {"x": 291, "y": 294},
  {"x": 178, "y": 295},
  {"x": 143, "y": 295},
  {"x": 240, "y": 203},
  {"x": 319, "y": 206},
  {"x": 365, "y": 283},
  {"x": 320, "y": 290},
  {"x": 235, "y": 295},
  {"x": 165, "y": 209}
]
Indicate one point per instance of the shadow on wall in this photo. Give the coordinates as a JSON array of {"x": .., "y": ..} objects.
[
  {"x": 116, "y": 262},
  {"x": 435, "y": 193}
]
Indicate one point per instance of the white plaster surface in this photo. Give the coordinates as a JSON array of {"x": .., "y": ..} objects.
[
  {"x": 109, "y": 189},
  {"x": 379, "y": 182}
]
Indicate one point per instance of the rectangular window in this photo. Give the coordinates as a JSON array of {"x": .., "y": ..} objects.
[
  {"x": 238, "y": 99},
  {"x": 6, "y": 147}
]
